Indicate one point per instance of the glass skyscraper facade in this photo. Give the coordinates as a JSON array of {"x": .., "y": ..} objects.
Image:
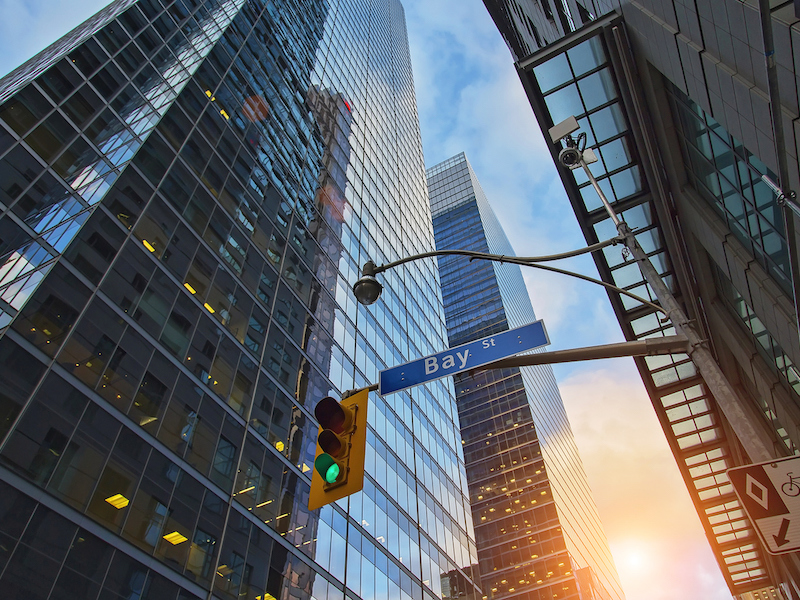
[
  {"x": 187, "y": 189},
  {"x": 537, "y": 529}
]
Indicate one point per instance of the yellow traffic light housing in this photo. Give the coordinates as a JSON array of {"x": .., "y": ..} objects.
[{"x": 341, "y": 448}]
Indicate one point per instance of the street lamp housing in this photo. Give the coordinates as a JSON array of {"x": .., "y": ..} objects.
[{"x": 367, "y": 289}]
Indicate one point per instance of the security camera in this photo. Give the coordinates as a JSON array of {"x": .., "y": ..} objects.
[{"x": 570, "y": 157}]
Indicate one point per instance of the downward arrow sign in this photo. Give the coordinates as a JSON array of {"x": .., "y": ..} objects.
[{"x": 780, "y": 539}]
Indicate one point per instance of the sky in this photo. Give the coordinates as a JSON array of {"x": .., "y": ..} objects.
[{"x": 470, "y": 99}]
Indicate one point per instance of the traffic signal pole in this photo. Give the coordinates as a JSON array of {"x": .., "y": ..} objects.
[{"x": 670, "y": 344}]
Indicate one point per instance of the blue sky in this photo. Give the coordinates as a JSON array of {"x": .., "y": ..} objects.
[{"x": 470, "y": 99}]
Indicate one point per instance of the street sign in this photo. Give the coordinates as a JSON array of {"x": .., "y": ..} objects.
[
  {"x": 463, "y": 358},
  {"x": 770, "y": 495}
]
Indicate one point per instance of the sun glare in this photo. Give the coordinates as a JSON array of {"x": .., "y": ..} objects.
[
  {"x": 635, "y": 560},
  {"x": 633, "y": 557}
]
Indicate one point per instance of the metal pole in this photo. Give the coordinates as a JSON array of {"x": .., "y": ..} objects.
[
  {"x": 369, "y": 270},
  {"x": 373, "y": 387},
  {"x": 648, "y": 347},
  {"x": 729, "y": 402}
]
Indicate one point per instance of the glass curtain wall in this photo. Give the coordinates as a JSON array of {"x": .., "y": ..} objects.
[
  {"x": 728, "y": 177},
  {"x": 187, "y": 190}
]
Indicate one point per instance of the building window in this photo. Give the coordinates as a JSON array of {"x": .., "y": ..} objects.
[
  {"x": 767, "y": 347},
  {"x": 224, "y": 459},
  {"x": 201, "y": 554},
  {"x": 585, "y": 15},
  {"x": 728, "y": 176}
]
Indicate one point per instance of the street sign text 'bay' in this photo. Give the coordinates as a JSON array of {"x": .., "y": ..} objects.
[{"x": 463, "y": 358}]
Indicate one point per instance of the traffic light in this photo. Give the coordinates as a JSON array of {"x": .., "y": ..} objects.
[{"x": 341, "y": 447}]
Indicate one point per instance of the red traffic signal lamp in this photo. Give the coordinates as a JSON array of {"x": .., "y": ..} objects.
[{"x": 341, "y": 449}]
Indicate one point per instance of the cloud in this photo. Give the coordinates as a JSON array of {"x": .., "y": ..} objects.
[
  {"x": 471, "y": 100},
  {"x": 575, "y": 312}
]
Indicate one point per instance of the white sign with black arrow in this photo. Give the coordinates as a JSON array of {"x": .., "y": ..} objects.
[{"x": 770, "y": 495}]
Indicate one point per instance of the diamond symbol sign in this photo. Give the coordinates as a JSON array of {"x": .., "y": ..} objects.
[{"x": 756, "y": 491}]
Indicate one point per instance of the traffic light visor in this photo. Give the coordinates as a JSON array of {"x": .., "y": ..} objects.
[
  {"x": 330, "y": 443},
  {"x": 332, "y": 415}
]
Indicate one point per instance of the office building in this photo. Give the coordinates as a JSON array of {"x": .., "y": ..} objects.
[
  {"x": 187, "y": 190},
  {"x": 676, "y": 102},
  {"x": 536, "y": 525}
]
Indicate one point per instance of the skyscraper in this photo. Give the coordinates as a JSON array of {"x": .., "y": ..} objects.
[
  {"x": 536, "y": 525},
  {"x": 187, "y": 189},
  {"x": 692, "y": 111}
]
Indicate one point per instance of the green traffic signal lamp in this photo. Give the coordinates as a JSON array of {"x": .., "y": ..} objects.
[
  {"x": 333, "y": 447},
  {"x": 328, "y": 468}
]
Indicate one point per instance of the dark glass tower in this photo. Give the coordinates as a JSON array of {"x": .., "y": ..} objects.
[
  {"x": 536, "y": 525},
  {"x": 186, "y": 191}
]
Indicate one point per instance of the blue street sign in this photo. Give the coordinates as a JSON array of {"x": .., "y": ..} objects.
[{"x": 463, "y": 358}]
